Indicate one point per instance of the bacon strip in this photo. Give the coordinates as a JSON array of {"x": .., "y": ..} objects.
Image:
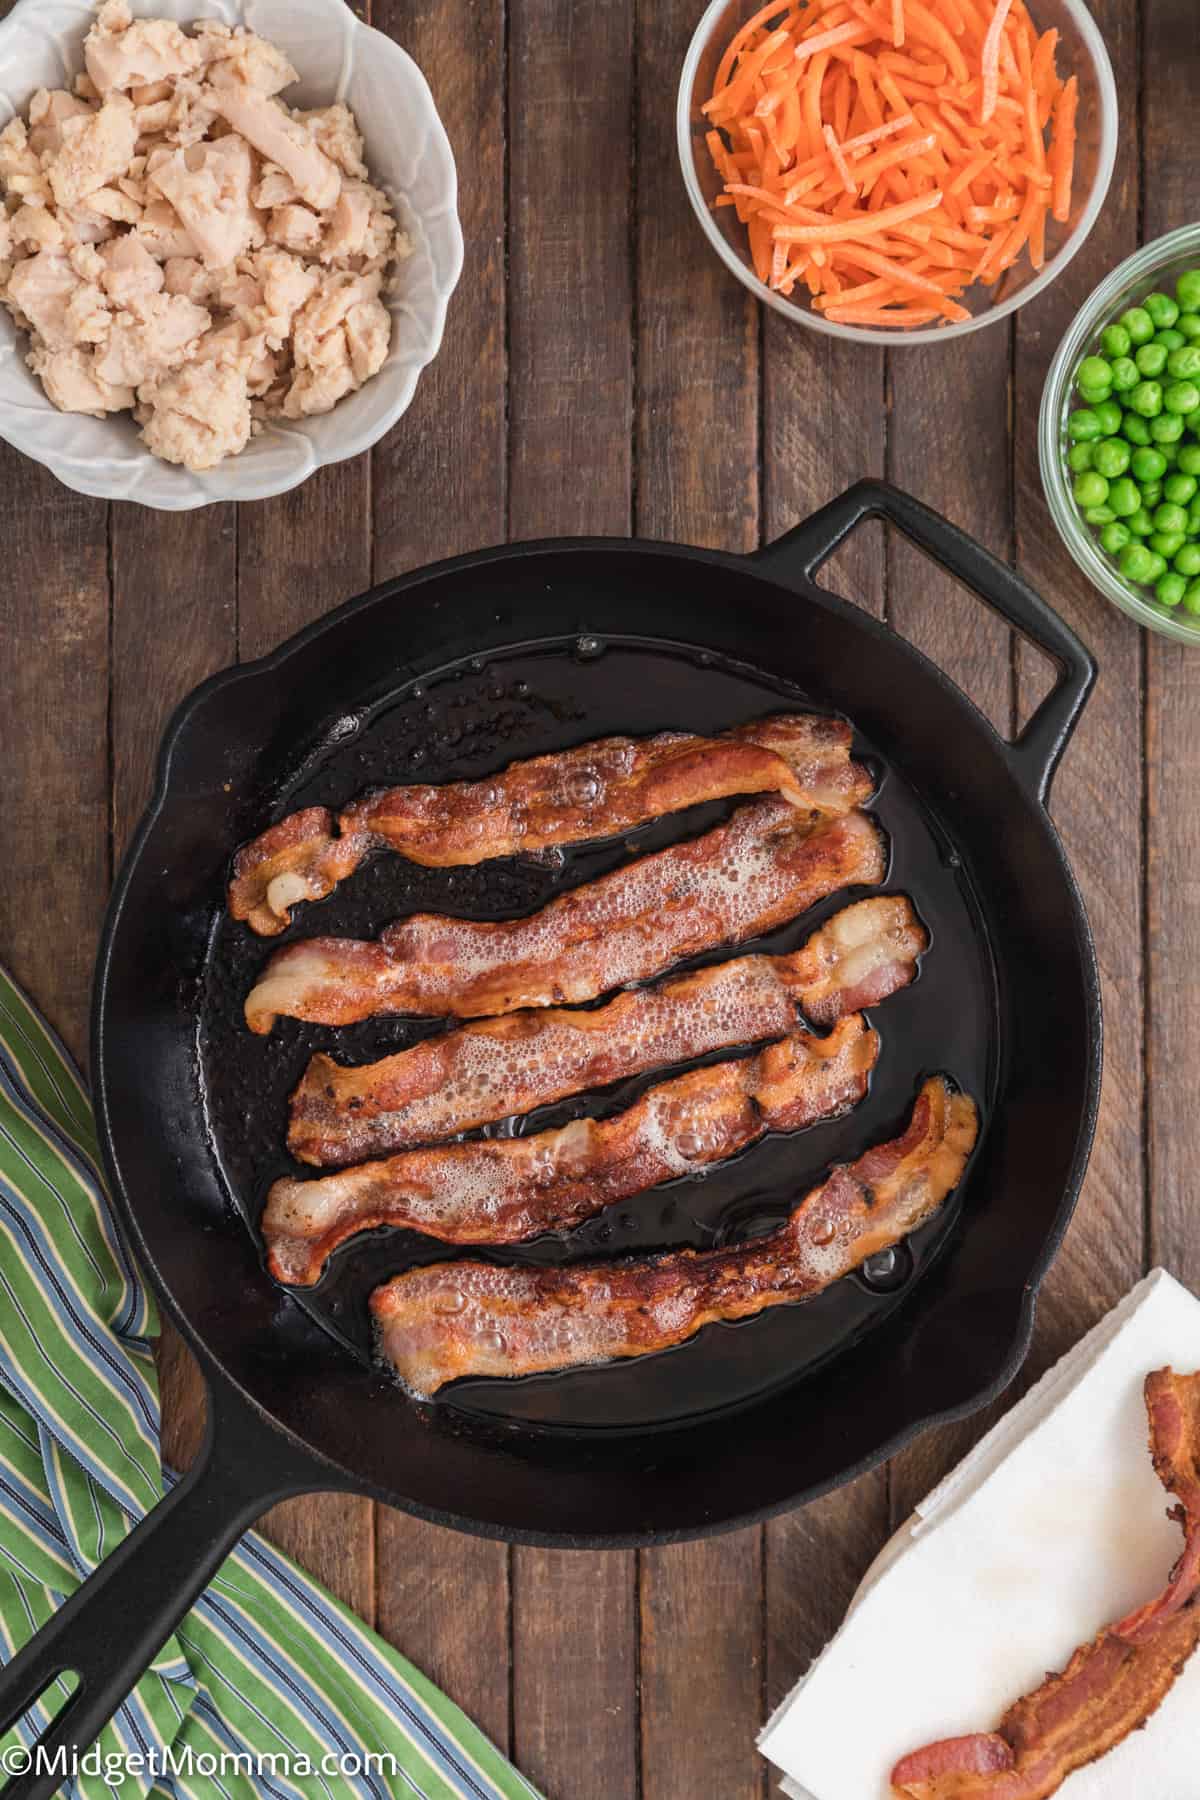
[
  {"x": 768, "y": 864},
  {"x": 594, "y": 791},
  {"x": 497, "y": 1068},
  {"x": 438, "y": 1323},
  {"x": 1111, "y": 1686},
  {"x": 504, "y": 1190}
]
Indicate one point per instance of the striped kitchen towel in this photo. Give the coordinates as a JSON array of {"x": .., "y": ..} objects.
[{"x": 270, "y": 1687}]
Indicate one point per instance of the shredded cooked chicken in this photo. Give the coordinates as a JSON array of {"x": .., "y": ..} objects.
[{"x": 180, "y": 243}]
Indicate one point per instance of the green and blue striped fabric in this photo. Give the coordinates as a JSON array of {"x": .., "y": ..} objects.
[{"x": 270, "y": 1687}]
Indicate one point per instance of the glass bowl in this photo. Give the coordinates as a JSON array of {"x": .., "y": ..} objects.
[
  {"x": 1081, "y": 52},
  {"x": 1156, "y": 265}
]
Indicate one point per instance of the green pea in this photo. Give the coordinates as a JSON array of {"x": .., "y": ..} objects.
[
  {"x": 1189, "y": 324},
  {"x": 1125, "y": 373},
  {"x": 1187, "y": 290},
  {"x": 1166, "y": 516},
  {"x": 1148, "y": 465},
  {"x": 1099, "y": 515},
  {"x": 1140, "y": 521},
  {"x": 1170, "y": 589},
  {"x": 1115, "y": 341},
  {"x": 1146, "y": 399},
  {"x": 1136, "y": 563},
  {"x": 1179, "y": 489},
  {"x": 1135, "y": 429},
  {"x": 1091, "y": 489},
  {"x": 1109, "y": 415},
  {"x": 1151, "y": 493},
  {"x": 1162, "y": 309},
  {"x": 1083, "y": 425},
  {"x": 1183, "y": 364},
  {"x": 1167, "y": 428},
  {"x": 1194, "y": 519},
  {"x": 1138, "y": 324},
  {"x": 1079, "y": 457},
  {"x": 1151, "y": 359},
  {"x": 1192, "y": 423},
  {"x": 1110, "y": 457},
  {"x": 1114, "y": 538},
  {"x": 1123, "y": 496},
  {"x": 1093, "y": 372},
  {"x": 1182, "y": 397},
  {"x": 1191, "y": 600},
  {"x": 1170, "y": 339},
  {"x": 1189, "y": 458},
  {"x": 1187, "y": 560},
  {"x": 1167, "y": 544}
]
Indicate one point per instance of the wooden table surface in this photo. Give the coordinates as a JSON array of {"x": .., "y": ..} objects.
[{"x": 601, "y": 373}]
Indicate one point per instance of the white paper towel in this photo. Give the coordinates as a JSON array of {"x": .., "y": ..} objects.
[{"x": 1053, "y": 1526}]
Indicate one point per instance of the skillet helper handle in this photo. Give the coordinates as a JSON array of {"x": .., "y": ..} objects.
[
  {"x": 1035, "y": 752},
  {"x": 110, "y": 1630}
]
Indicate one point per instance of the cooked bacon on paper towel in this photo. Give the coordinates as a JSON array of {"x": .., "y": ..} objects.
[
  {"x": 769, "y": 863},
  {"x": 1111, "y": 1686},
  {"x": 504, "y": 1190},
  {"x": 594, "y": 791},
  {"x": 500, "y": 1067},
  {"x": 439, "y": 1323}
]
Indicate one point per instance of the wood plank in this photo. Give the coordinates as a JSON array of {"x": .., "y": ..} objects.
[
  {"x": 571, "y": 383},
  {"x": 1173, "y": 706},
  {"x": 439, "y": 487},
  {"x": 53, "y": 734},
  {"x": 441, "y": 476},
  {"x": 575, "y": 1699},
  {"x": 702, "y": 1668},
  {"x": 570, "y": 414},
  {"x": 696, "y": 430},
  {"x": 824, "y": 427},
  {"x": 1097, "y": 799},
  {"x": 696, "y": 455}
]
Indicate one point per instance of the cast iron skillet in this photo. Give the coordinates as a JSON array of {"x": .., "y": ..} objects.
[{"x": 455, "y": 670}]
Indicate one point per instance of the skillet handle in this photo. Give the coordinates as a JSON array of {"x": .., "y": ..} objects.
[
  {"x": 1035, "y": 752},
  {"x": 110, "y": 1630}
]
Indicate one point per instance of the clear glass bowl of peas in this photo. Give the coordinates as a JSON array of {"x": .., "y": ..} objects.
[{"x": 1119, "y": 436}]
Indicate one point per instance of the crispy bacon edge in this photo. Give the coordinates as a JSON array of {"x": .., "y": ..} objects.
[
  {"x": 1111, "y": 1686},
  {"x": 627, "y": 926},
  {"x": 499, "y": 1068},
  {"x": 506, "y": 1190},
  {"x": 448, "y": 1320},
  {"x": 593, "y": 791}
]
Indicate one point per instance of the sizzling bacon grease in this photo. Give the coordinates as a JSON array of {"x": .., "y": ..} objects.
[
  {"x": 497, "y": 1068},
  {"x": 1111, "y": 1686},
  {"x": 438, "y": 1323},
  {"x": 594, "y": 791},
  {"x": 768, "y": 864},
  {"x": 504, "y": 1190}
]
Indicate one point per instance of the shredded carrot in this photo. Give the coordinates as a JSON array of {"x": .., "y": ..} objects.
[
  {"x": 990, "y": 60},
  {"x": 839, "y": 160},
  {"x": 881, "y": 315},
  {"x": 886, "y": 155},
  {"x": 861, "y": 225},
  {"x": 1063, "y": 149}
]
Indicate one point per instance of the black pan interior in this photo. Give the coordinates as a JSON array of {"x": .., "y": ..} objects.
[{"x": 469, "y": 719}]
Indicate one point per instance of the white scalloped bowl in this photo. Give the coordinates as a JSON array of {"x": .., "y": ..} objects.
[{"x": 409, "y": 156}]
